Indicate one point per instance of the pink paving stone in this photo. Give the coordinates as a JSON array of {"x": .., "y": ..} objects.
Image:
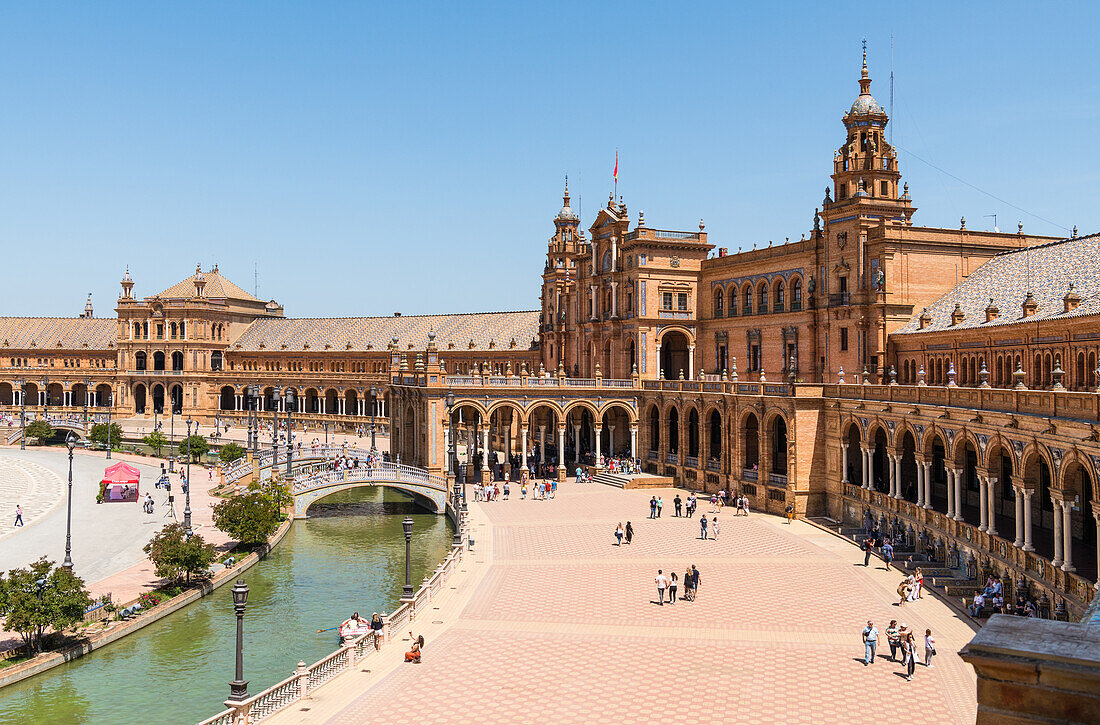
[{"x": 563, "y": 628}]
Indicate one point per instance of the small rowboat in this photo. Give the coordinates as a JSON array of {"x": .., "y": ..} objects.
[{"x": 351, "y": 629}]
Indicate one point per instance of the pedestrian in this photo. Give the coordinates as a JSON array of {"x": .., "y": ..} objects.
[
  {"x": 678, "y": 503},
  {"x": 790, "y": 513},
  {"x": 910, "y": 649},
  {"x": 887, "y": 553},
  {"x": 918, "y": 577},
  {"x": 929, "y": 648},
  {"x": 660, "y": 505},
  {"x": 523, "y": 492},
  {"x": 507, "y": 490},
  {"x": 714, "y": 528},
  {"x": 903, "y": 591},
  {"x": 672, "y": 587},
  {"x": 376, "y": 627},
  {"x": 893, "y": 639},
  {"x": 689, "y": 591},
  {"x": 867, "y": 545},
  {"x": 554, "y": 488},
  {"x": 694, "y": 581},
  {"x": 703, "y": 527},
  {"x": 413, "y": 655},
  {"x": 870, "y": 642},
  {"x": 18, "y": 515},
  {"x": 619, "y": 534},
  {"x": 629, "y": 532},
  {"x": 653, "y": 507},
  {"x": 662, "y": 583}
]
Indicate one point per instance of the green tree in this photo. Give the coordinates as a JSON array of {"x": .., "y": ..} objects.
[
  {"x": 99, "y": 434},
  {"x": 250, "y": 518},
  {"x": 173, "y": 552},
  {"x": 155, "y": 440},
  {"x": 231, "y": 452},
  {"x": 41, "y": 597},
  {"x": 39, "y": 429},
  {"x": 276, "y": 490},
  {"x": 194, "y": 446}
]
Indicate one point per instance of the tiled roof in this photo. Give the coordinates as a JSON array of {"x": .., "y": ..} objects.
[
  {"x": 74, "y": 333},
  {"x": 483, "y": 328},
  {"x": 217, "y": 287},
  {"x": 1047, "y": 270}
]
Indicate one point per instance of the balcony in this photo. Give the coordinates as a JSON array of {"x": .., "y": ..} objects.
[
  {"x": 673, "y": 458},
  {"x": 777, "y": 479},
  {"x": 691, "y": 461},
  {"x": 749, "y": 474},
  {"x": 840, "y": 299}
]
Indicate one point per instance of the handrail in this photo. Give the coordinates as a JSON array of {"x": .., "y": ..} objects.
[{"x": 398, "y": 472}]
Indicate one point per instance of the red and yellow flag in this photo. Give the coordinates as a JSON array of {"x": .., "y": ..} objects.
[{"x": 616, "y": 173}]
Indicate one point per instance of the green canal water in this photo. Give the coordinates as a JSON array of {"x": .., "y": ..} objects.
[{"x": 348, "y": 556}]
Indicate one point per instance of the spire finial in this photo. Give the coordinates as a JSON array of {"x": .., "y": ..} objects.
[{"x": 865, "y": 57}]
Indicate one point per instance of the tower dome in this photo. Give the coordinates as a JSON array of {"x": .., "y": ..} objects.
[
  {"x": 566, "y": 214},
  {"x": 865, "y": 104}
]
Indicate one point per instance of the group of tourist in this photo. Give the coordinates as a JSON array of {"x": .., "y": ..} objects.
[
  {"x": 901, "y": 639},
  {"x": 670, "y": 584},
  {"x": 625, "y": 465}
]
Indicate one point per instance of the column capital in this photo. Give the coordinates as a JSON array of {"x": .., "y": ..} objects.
[{"x": 1096, "y": 510}]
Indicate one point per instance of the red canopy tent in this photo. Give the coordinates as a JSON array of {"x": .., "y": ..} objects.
[{"x": 120, "y": 483}]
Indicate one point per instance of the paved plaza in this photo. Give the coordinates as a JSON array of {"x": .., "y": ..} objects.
[{"x": 550, "y": 622}]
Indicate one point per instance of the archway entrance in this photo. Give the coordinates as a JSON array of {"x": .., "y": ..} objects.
[
  {"x": 158, "y": 399},
  {"x": 674, "y": 356},
  {"x": 177, "y": 399},
  {"x": 750, "y": 444},
  {"x": 139, "y": 399}
]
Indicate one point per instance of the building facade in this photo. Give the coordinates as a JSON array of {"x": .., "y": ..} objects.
[{"x": 939, "y": 380}]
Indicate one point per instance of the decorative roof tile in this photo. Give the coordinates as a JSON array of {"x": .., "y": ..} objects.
[
  {"x": 73, "y": 333},
  {"x": 471, "y": 331},
  {"x": 1046, "y": 270},
  {"x": 217, "y": 287}
]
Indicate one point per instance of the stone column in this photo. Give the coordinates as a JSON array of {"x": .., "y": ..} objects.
[
  {"x": 324, "y": 401},
  {"x": 1028, "y": 546},
  {"x": 992, "y": 506},
  {"x": 843, "y": 463},
  {"x": 634, "y": 440},
  {"x": 485, "y": 447},
  {"x": 691, "y": 361},
  {"x": 951, "y": 493},
  {"x": 1019, "y": 542},
  {"x": 1067, "y": 533},
  {"x": 958, "y": 494},
  {"x": 928, "y": 484},
  {"x": 1096, "y": 515},
  {"x": 598, "y": 431},
  {"x": 523, "y": 435},
  {"x": 983, "y": 497},
  {"x": 661, "y": 373},
  {"x": 891, "y": 474},
  {"x": 1058, "y": 539},
  {"x": 576, "y": 443},
  {"x": 561, "y": 445},
  {"x": 865, "y": 467}
]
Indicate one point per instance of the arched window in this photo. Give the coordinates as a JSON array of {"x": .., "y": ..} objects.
[
  {"x": 140, "y": 361},
  {"x": 173, "y": 329},
  {"x": 158, "y": 360},
  {"x": 796, "y": 295},
  {"x": 718, "y": 300},
  {"x": 762, "y": 298},
  {"x": 747, "y": 309},
  {"x": 177, "y": 360},
  {"x": 732, "y": 311},
  {"x": 780, "y": 297},
  {"x": 137, "y": 330},
  {"x": 216, "y": 360}
]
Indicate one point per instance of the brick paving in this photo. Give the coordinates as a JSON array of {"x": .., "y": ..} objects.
[{"x": 559, "y": 625}]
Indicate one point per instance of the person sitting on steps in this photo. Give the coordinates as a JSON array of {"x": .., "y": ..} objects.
[{"x": 413, "y": 655}]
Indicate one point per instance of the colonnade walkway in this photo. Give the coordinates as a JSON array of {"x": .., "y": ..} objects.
[{"x": 550, "y": 622}]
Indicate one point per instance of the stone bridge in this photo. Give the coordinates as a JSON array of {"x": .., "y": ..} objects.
[{"x": 429, "y": 489}]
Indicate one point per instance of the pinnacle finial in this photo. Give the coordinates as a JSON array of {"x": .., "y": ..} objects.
[{"x": 865, "y": 57}]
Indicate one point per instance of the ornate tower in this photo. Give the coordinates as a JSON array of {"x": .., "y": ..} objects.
[
  {"x": 862, "y": 204},
  {"x": 865, "y": 165},
  {"x": 559, "y": 280}
]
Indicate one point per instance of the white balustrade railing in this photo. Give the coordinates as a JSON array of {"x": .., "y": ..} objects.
[
  {"x": 242, "y": 465},
  {"x": 396, "y": 472},
  {"x": 305, "y": 679}
]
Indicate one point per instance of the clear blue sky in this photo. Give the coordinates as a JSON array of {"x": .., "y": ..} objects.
[{"x": 409, "y": 156}]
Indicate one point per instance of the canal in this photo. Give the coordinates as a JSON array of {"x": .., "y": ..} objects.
[{"x": 348, "y": 556}]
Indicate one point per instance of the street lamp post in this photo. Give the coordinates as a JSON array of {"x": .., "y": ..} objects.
[
  {"x": 46, "y": 398},
  {"x": 172, "y": 440},
  {"x": 110, "y": 405},
  {"x": 407, "y": 525},
  {"x": 187, "y": 488},
  {"x": 451, "y": 472},
  {"x": 238, "y": 688},
  {"x": 373, "y": 398},
  {"x": 254, "y": 415},
  {"x": 289, "y": 400},
  {"x": 70, "y": 441},
  {"x": 87, "y": 384},
  {"x": 22, "y": 413},
  {"x": 275, "y": 397},
  {"x": 325, "y": 424}
]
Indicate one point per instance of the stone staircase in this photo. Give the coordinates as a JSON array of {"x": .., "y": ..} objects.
[
  {"x": 637, "y": 480},
  {"x": 617, "y": 480}
]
